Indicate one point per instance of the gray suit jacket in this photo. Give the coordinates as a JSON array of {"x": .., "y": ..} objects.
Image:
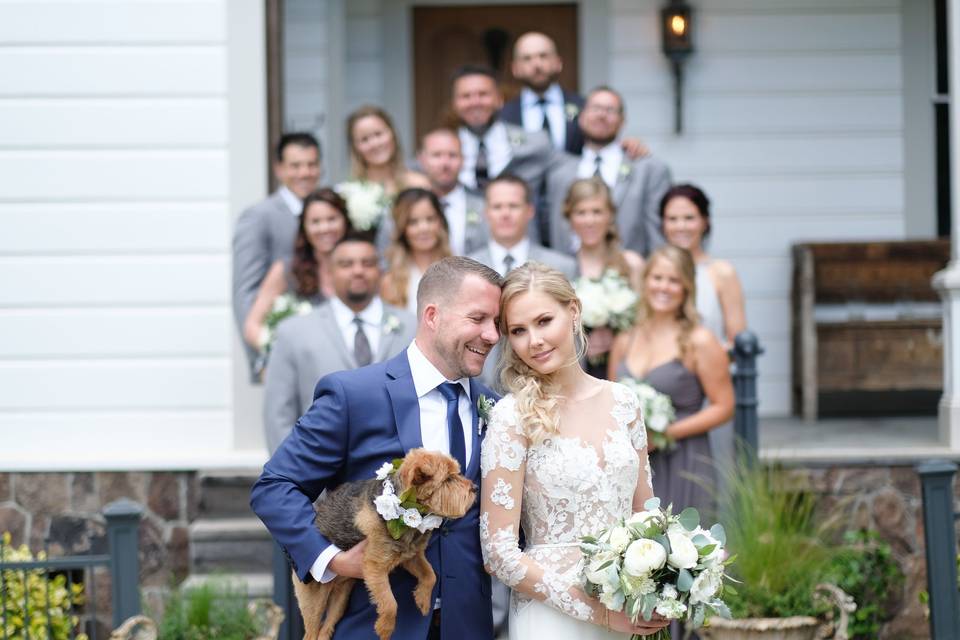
[
  {"x": 640, "y": 185},
  {"x": 264, "y": 233},
  {"x": 476, "y": 235},
  {"x": 559, "y": 261},
  {"x": 307, "y": 348}
]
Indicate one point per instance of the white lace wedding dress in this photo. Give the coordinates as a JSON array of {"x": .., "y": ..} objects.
[{"x": 565, "y": 487}]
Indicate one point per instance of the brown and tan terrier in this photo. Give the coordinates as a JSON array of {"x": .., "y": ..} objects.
[{"x": 347, "y": 515}]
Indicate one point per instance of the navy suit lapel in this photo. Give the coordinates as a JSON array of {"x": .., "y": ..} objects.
[
  {"x": 403, "y": 397},
  {"x": 474, "y": 463}
]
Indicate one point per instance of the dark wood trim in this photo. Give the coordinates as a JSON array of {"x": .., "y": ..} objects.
[{"x": 274, "y": 25}]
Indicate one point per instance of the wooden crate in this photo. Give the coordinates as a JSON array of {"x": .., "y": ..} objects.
[{"x": 855, "y": 360}]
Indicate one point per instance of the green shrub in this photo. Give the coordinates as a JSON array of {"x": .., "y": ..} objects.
[
  {"x": 46, "y": 617},
  {"x": 216, "y": 610},
  {"x": 865, "y": 569}
]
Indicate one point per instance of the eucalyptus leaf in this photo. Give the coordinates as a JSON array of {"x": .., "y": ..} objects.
[
  {"x": 690, "y": 518},
  {"x": 718, "y": 533},
  {"x": 649, "y": 604},
  {"x": 700, "y": 540},
  {"x": 664, "y": 542},
  {"x": 652, "y": 504},
  {"x": 722, "y": 610},
  {"x": 698, "y": 615},
  {"x": 684, "y": 580}
]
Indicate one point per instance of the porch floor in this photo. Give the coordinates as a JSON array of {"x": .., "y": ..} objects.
[{"x": 900, "y": 438}]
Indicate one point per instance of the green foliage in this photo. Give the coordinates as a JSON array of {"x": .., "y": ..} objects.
[
  {"x": 865, "y": 569},
  {"x": 216, "y": 610},
  {"x": 56, "y": 598},
  {"x": 781, "y": 547}
]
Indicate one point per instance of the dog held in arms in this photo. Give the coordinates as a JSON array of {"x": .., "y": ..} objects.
[{"x": 427, "y": 482}]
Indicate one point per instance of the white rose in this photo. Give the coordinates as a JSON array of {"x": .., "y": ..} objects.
[
  {"x": 641, "y": 517},
  {"x": 594, "y": 316},
  {"x": 429, "y": 523},
  {"x": 643, "y": 556},
  {"x": 656, "y": 421},
  {"x": 705, "y": 586},
  {"x": 388, "y": 506},
  {"x": 683, "y": 553},
  {"x": 412, "y": 518},
  {"x": 619, "y": 539},
  {"x": 385, "y": 470}
]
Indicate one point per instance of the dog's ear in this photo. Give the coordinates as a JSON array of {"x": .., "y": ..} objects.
[{"x": 420, "y": 476}]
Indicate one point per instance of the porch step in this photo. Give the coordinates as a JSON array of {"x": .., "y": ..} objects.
[
  {"x": 230, "y": 545},
  {"x": 226, "y": 493}
]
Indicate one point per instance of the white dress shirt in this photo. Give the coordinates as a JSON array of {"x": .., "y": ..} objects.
[
  {"x": 520, "y": 253},
  {"x": 499, "y": 153},
  {"x": 290, "y": 199},
  {"x": 433, "y": 427},
  {"x": 531, "y": 113},
  {"x": 611, "y": 157},
  {"x": 371, "y": 317},
  {"x": 455, "y": 211}
]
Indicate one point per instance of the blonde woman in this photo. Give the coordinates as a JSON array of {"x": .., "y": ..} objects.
[
  {"x": 420, "y": 238},
  {"x": 672, "y": 352},
  {"x": 375, "y": 153},
  {"x": 564, "y": 457},
  {"x": 590, "y": 210}
]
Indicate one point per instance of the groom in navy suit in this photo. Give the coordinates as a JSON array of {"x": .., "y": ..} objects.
[{"x": 365, "y": 417}]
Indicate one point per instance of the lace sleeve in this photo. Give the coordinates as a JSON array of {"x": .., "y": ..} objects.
[
  {"x": 638, "y": 437},
  {"x": 503, "y": 466}
]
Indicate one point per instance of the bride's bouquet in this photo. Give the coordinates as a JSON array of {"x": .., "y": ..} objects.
[
  {"x": 657, "y": 562},
  {"x": 367, "y": 202},
  {"x": 607, "y": 301},
  {"x": 657, "y": 411}
]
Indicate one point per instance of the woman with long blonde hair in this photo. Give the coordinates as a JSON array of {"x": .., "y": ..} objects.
[
  {"x": 375, "y": 151},
  {"x": 564, "y": 457},
  {"x": 420, "y": 238},
  {"x": 672, "y": 352}
]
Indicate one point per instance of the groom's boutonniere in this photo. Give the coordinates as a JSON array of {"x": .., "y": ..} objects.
[
  {"x": 391, "y": 323},
  {"x": 484, "y": 406}
]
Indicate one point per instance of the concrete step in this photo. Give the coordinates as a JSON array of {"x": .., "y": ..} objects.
[
  {"x": 230, "y": 545},
  {"x": 226, "y": 493},
  {"x": 255, "y": 585}
]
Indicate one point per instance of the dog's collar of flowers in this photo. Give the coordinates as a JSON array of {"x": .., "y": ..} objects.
[{"x": 403, "y": 512}]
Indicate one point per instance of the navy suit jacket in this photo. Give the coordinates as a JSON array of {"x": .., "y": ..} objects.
[
  {"x": 512, "y": 113},
  {"x": 360, "y": 419}
]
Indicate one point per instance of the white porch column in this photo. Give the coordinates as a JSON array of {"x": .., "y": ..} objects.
[{"x": 947, "y": 282}]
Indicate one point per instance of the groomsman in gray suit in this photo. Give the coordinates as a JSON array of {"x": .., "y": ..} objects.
[
  {"x": 636, "y": 185},
  {"x": 265, "y": 232},
  {"x": 352, "y": 329},
  {"x": 490, "y": 146},
  {"x": 509, "y": 211}
]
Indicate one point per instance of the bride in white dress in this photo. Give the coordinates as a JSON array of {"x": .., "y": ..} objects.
[{"x": 564, "y": 457}]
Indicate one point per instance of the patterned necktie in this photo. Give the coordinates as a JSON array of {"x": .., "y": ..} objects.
[
  {"x": 482, "y": 167},
  {"x": 507, "y": 263},
  {"x": 361, "y": 345},
  {"x": 546, "y": 120},
  {"x": 458, "y": 450}
]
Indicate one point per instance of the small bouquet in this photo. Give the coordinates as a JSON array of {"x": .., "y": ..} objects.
[
  {"x": 284, "y": 306},
  {"x": 657, "y": 411},
  {"x": 607, "y": 301},
  {"x": 366, "y": 202},
  {"x": 659, "y": 562}
]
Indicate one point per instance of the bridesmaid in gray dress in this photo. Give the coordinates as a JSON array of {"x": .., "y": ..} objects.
[{"x": 672, "y": 352}]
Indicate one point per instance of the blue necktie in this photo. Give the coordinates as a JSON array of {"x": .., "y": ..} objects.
[{"x": 451, "y": 393}]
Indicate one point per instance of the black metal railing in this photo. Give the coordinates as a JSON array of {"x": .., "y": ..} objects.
[
  {"x": 940, "y": 536},
  {"x": 746, "y": 349},
  {"x": 122, "y": 560}
]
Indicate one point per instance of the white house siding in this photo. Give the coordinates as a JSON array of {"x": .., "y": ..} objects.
[
  {"x": 792, "y": 125},
  {"x": 114, "y": 233}
]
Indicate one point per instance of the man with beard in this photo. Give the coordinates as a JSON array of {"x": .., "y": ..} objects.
[
  {"x": 491, "y": 147},
  {"x": 636, "y": 185},
  {"x": 352, "y": 329}
]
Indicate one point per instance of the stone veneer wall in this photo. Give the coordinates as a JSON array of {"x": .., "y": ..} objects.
[{"x": 65, "y": 508}]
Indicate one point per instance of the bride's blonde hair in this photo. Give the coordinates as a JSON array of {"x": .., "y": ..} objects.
[{"x": 537, "y": 395}]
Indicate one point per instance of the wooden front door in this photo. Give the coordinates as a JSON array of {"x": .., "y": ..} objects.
[{"x": 447, "y": 37}]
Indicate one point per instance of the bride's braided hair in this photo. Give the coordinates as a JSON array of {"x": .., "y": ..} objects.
[{"x": 537, "y": 395}]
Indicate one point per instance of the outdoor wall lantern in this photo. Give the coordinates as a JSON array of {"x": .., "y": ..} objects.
[{"x": 675, "y": 25}]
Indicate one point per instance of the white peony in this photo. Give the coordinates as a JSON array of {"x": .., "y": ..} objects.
[
  {"x": 705, "y": 585},
  {"x": 620, "y": 539},
  {"x": 641, "y": 517},
  {"x": 429, "y": 523},
  {"x": 643, "y": 556},
  {"x": 412, "y": 518},
  {"x": 683, "y": 553},
  {"x": 366, "y": 202},
  {"x": 605, "y": 576},
  {"x": 388, "y": 506},
  {"x": 385, "y": 470}
]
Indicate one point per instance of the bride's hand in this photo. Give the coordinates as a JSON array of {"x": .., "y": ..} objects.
[{"x": 619, "y": 621}]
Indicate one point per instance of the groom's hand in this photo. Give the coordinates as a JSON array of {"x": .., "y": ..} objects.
[{"x": 349, "y": 563}]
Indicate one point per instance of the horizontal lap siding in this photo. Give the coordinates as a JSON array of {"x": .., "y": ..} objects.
[
  {"x": 793, "y": 126},
  {"x": 114, "y": 230}
]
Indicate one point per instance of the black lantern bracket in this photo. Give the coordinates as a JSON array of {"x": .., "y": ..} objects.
[{"x": 676, "y": 22}]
